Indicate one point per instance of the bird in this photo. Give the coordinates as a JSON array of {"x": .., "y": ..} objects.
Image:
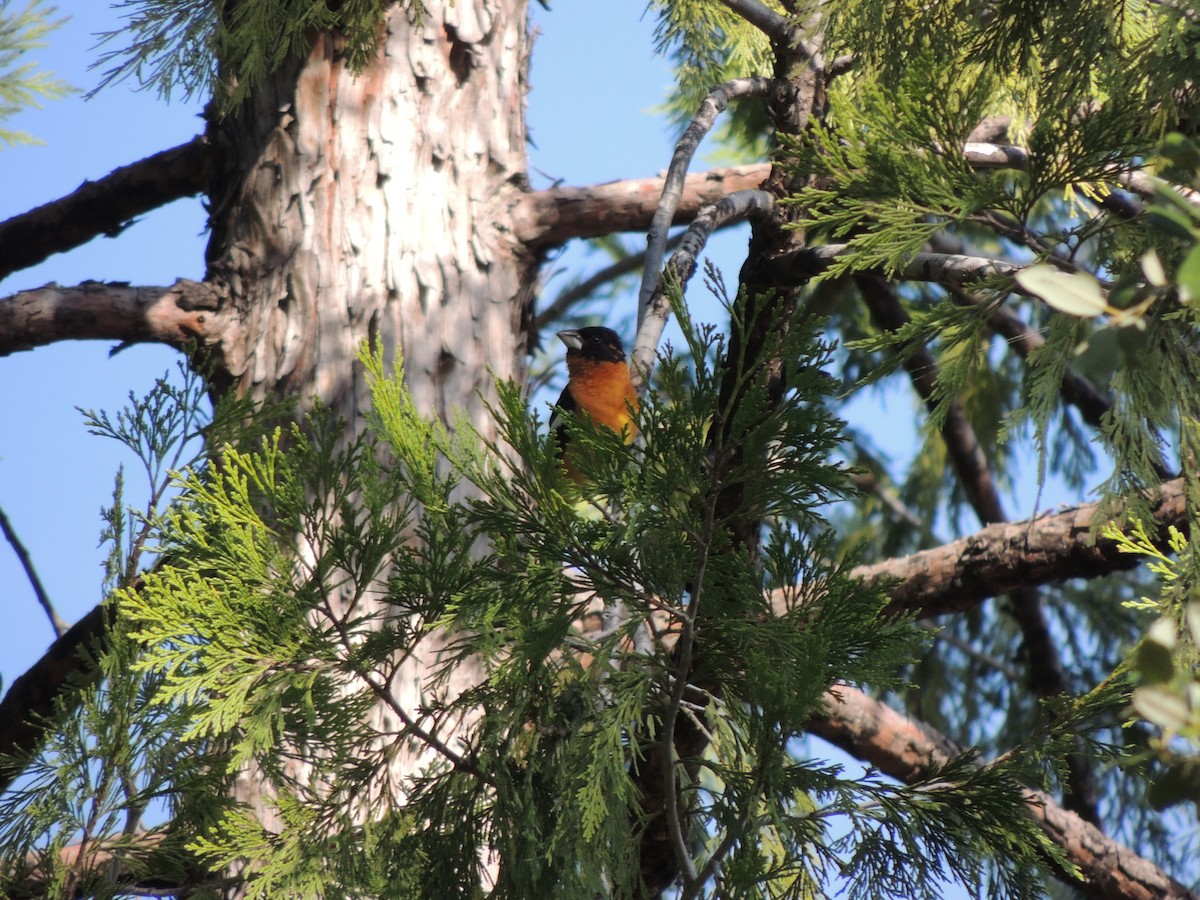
[{"x": 598, "y": 386}]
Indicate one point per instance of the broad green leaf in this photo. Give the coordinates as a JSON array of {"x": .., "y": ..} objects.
[
  {"x": 1154, "y": 662},
  {"x": 1188, "y": 275},
  {"x": 1161, "y": 707},
  {"x": 1153, "y": 268},
  {"x": 1192, "y": 617},
  {"x": 1074, "y": 294},
  {"x": 1180, "y": 782}
]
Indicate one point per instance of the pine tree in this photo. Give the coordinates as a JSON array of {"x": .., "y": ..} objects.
[{"x": 380, "y": 645}]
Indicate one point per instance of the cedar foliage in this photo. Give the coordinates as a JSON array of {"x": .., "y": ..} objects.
[
  {"x": 228, "y": 653},
  {"x": 21, "y": 83},
  {"x": 230, "y": 649}
]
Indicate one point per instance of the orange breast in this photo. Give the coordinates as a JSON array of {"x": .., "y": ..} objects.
[{"x": 604, "y": 391}]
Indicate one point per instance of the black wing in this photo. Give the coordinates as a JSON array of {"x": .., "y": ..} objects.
[{"x": 566, "y": 404}]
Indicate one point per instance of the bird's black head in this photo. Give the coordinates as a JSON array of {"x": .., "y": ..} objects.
[{"x": 594, "y": 342}]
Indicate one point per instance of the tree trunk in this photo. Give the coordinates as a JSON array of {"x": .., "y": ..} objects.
[{"x": 376, "y": 206}]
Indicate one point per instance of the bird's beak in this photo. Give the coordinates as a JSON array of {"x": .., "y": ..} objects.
[{"x": 571, "y": 338}]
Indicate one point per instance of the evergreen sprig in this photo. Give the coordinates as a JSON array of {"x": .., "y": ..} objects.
[
  {"x": 222, "y": 50},
  {"x": 300, "y": 572},
  {"x": 22, "y": 85}
]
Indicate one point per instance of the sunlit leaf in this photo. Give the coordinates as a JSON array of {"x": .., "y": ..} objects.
[
  {"x": 1153, "y": 268},
  {"x": 1161, "y": 707},
  {"x": 1188, "y": 275},
  {"x": 1075, "y": 294}
]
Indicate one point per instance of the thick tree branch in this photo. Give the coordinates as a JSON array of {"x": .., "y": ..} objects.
[
  {"x": 555, "y": 216},
  {"x": 985, "y": 155},
  {"x": 906, "y": 749},
  {"x": 800, "y": 266},
  {"x": 957, "y": 576},
  {"x": 186, "y": 311},
  {"x": 29, "y": 702},
  {"x": 104, "y": 207},
  {"x": 765, "y": 19}
]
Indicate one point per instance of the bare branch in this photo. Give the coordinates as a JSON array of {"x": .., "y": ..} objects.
[
  {"x": 104, "y": 207},
  {"x": 765, "y": 19},
  {"x": 712, "y": 106},
  {"x": 555, "y": 216},
  {"x": 906, "y": 749},
  {"x": 60, "y": 627},
  {"x": 870, "y": 483},
  {"x": 177, "y": 315},
  {"x": 736, "y": 206},
  {"x": 985, "y": 155},
  {"x": 577, "y": 293},
  {"x": 800, "y": 266},
  {"x": 1146, "y": 185},
  {"x": 957, "y": 576},
  {"x": 29, "y": 702}
]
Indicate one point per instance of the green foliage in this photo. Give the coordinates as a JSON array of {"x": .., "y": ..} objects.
[
  {"x": 163, "y": 431},
  {"x": 224, "y": 49},
  {"x": 1166, "y": 666},
  {"x": 575, "y": 638},
  {"x": 1090, "y": 93},
  {"x": 21, "y": 84},
  {"x": 117, "y": 776},
  {"x": 711, "y": 45},
  {"x": 889, "y": 170},
  {"x": 445, "y": 665}
]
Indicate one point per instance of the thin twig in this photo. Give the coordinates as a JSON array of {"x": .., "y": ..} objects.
[
  {"x": 968, "y": 649},
  {"x": 652, "y": 318},
  {"x": 577, "y": 293},
  {"x": 685, "y": 149},
  {"x": 60, "y": 627},
  {"x": 869, "y": 483},
  {"x": 682, "y": 665}
]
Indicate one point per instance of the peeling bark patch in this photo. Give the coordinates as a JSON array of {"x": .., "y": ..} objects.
[{"x": 460, "y": 58}]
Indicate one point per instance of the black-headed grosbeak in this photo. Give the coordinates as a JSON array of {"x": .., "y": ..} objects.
[{"x": 598, "y": 386}]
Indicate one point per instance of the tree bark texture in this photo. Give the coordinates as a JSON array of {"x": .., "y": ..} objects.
[{"x": 376, "y": 206}]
